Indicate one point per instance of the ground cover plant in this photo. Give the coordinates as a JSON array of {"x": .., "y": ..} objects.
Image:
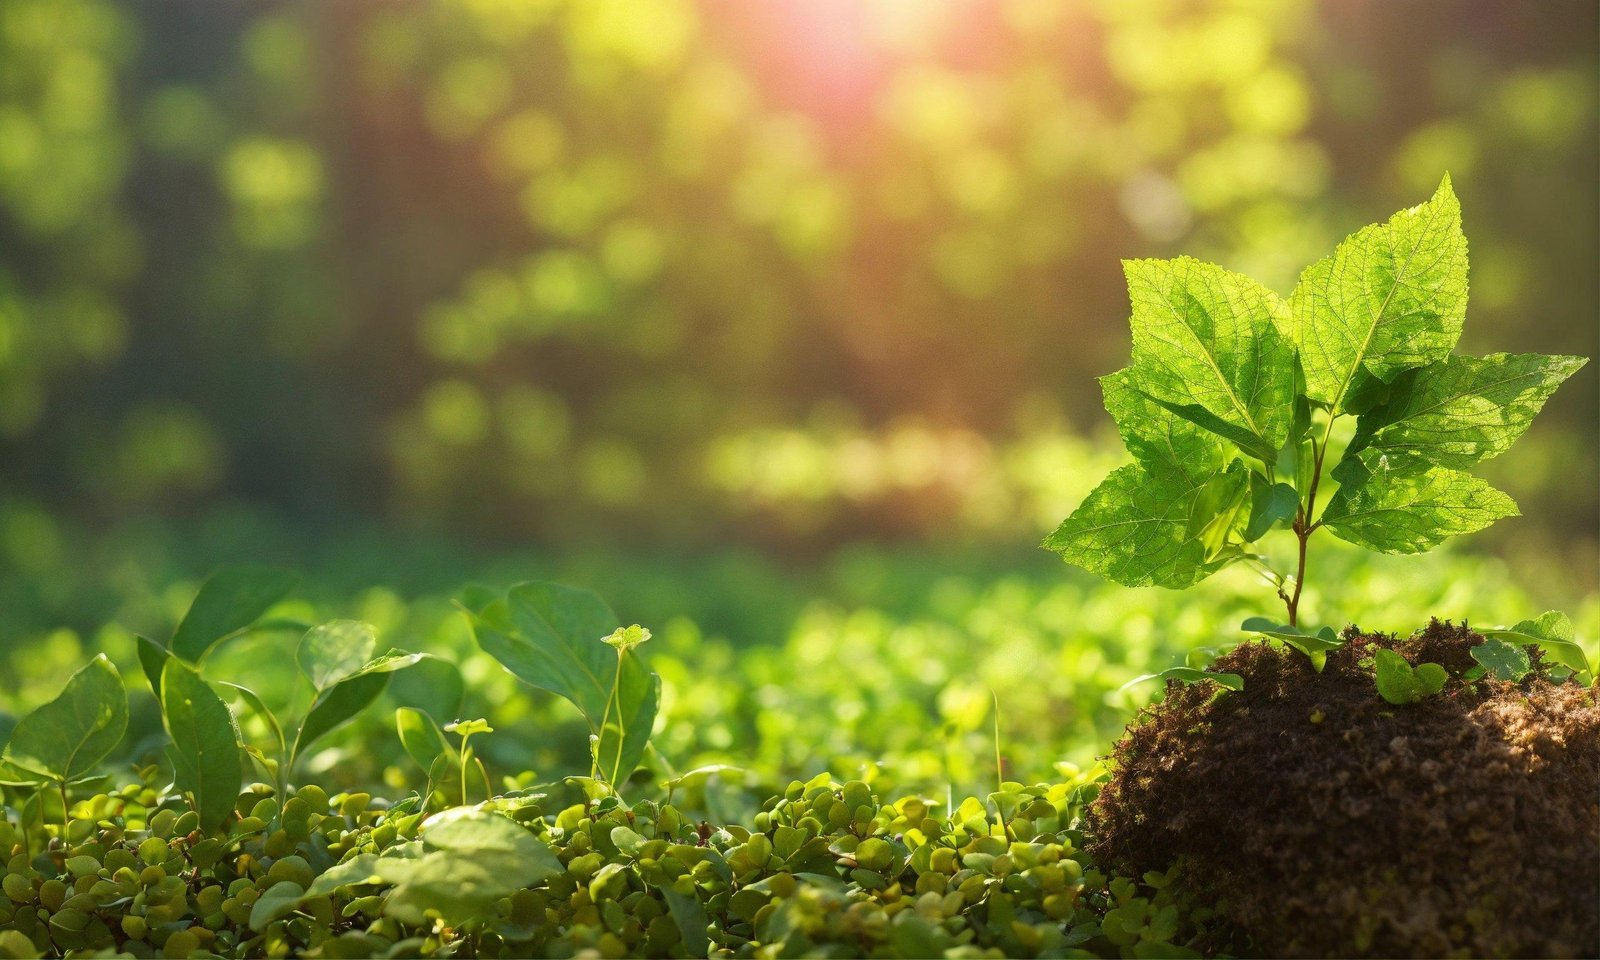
[
  {"x": 1352, "y": 796},
  {"x": 205, "y": 864},
  {"x": 525, "y": 773}
]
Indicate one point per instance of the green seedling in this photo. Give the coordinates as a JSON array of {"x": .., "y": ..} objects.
[
  {"x": 548, "y": 635},
  {"x": 465, "y": 729},
  {"x": 1242, "y": 408},
  {"x": 1400, "y": 683}
]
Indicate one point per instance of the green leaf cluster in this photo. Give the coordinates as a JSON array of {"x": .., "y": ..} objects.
[
  {"x": 819, "y": 868},
  {"x": 208, "y": 753},
  {"x": 567, "y": 641},
  {"x": 1236, "y": 397},
  {"x": 1552, "y": 632}
]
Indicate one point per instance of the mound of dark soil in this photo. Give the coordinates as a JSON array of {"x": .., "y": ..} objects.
[{"x": 1333, "y": 823}]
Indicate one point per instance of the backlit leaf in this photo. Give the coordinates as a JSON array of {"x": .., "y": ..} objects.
[
  {"x": 205, "y": 743},
  {"x": 1391, "y": 297},
  {"x": 331, "y": 651},
  {"x": 348, "y": 697},
  {"x": 1462, "y": 410},
  {"x": 1270, "y": 505},
  {"x": 550, "y": 636},
  {"x": 1134, "y": 529},
  {"x": 70, "y": 735},
  {"x": 1408, "y": 506},
  {"x": 230, "y": 601},
  {"x": 1206, "y": 341}
]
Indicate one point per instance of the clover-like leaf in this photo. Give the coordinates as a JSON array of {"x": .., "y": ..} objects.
[
  {"x": 1405, "y": 505},
  {"x": 626, "y": 638},
  {"x": 1391, "y": 297},
  {"x": 1462, "y": 410},
  {"x": 1400, "y": 683}
]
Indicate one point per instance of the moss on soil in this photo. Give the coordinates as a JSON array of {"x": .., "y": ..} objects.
[{"x": 1332, "y": 823}]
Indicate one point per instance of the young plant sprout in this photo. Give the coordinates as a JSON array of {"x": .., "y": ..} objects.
[
  {"x": 465, "y": 729},
  {"x": 622, "y": 639},
  {"x": 1240, "y": 409}
]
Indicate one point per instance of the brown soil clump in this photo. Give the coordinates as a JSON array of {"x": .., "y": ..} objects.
[{"x": 1333, "y": 823}]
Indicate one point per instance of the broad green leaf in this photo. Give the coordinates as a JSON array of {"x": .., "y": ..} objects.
[
  {"x": 421, "y": 737},
  {"x": 15, "y": 945},
  {"x": 1190, "y": 675},
  {"x": 205, "y": 743},
  {"x": 433, "y": 685},
  {"x": 1504, "y": 660},
  {"x": 348, "y": 697},
  {"x": 1391, "y": 297},
  {"x": 1158, "y": 438},
  {"x": 1314, "y": 645},
  {"x": 624, "y": 736},
  {"x": 1463, "y": 409},
  {"x": 152, "y": 660},
  {"x": 690, "y": 917},
  {"x": 1134, "y": 529},
  {"x": 1270, "y": 504},
  {"x": 359, "y": 869},
  {"x": 1206, "y": 341},
  {"x": 331, "y": 651},
  {"x": 1366, "y": 393},
  {"x": 228, "y": 603},
  {"x": 471, "y": 859},
  {"x": 1406, "y": 506},
  {"x": 701, "y": 774},
  {"x": 259, "y": 708},
  {"x": 276, "y": 902},
  {"x": 548, "y": 635},
  {"x": 70, "y": 735},
  {"x": 1552, "y": 632},
  {"x": 1220, "y": 508}
]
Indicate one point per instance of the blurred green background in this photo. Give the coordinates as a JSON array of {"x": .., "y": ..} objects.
[{"x": 763, "y": 316}]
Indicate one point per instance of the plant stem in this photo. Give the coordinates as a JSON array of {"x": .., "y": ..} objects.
[
  {"x": 1303, "y": 533},
  {"x": 464, "y": 740},
  {"x": 66, "y": 811},
  {"x": 1303, "y": 525},
  {"x": 622, "y": 729}
]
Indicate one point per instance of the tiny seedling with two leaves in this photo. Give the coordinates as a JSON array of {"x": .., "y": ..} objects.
[{"x": 1243, "y": 409}]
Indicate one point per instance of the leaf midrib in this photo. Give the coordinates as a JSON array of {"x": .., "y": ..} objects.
[{"x": 1377, "y": 321}]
